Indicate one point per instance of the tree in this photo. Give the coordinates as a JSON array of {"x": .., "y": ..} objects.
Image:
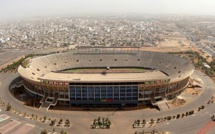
[
  {"x": 108, "y": 124},
  {"x": 182, "y": 115},
  {"x": 52, "y": 123},
  {"x": 24, "y": 114},
  {"x": 178, "y": 116},
  {"x": 9, "y": 107},
  {"x": 103, "y": 121},
  {"x": 60, "y": 122},
  {"x": 67, "y": 123},
  {"x": 153, "y": 131},
  {"x": 135, "y": 122},
  {"x": 99, "y": 122},
  {"x": 152, "y": 121},
  {"x": 35, "y": 117},
  {"x": 63, "y": 132},
  {"x": 32, "y": 115},
  {"x": 44, "y": 132},
  {"x": 44, "y": 118},
  {"x": 94, "y": 123},
  {"x": 138, "y": 122},
  {"x": 158, "y": 119}
]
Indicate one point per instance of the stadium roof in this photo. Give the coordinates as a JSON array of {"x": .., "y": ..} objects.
[{"x": 109, "y": 77}]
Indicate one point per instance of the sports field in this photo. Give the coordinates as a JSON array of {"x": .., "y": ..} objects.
[{"x": 105, "y": 70}]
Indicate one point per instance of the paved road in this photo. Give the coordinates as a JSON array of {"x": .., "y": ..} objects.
[{"x": 122, "y": 120}]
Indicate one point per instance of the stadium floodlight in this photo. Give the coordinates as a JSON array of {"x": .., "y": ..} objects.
[{"x": 108, "y": 68}]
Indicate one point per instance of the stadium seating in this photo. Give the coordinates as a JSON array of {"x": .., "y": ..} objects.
[{"x": 174, "y": 66}]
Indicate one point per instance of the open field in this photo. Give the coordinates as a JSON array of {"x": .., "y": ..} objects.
[{"x": 165, "y": 49}]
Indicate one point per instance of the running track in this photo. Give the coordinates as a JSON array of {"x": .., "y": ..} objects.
[
  {"x": 207, "y": 127},
  {"x": 9, "y": 126},
  {"x": 24, "y": 129}
]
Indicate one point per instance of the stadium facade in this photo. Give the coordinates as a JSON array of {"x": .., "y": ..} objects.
[{"x": 45, "y": 77}]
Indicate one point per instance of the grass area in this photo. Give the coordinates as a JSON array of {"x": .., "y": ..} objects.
[{"x": 100, "y": 70}]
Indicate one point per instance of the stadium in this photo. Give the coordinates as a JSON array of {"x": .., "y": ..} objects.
[{"x": 105, "y": 76}]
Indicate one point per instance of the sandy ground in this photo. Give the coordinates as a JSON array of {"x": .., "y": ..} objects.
[
  {"x": 164, "y": 49},
  {"x": 193, "y": 91},
  {"x": 172, "y": 48},
  {"x": 187, "y": 95},
  {"x": 171, "y": 44},
  {"x": 174, "y": 43},
  {"x": 178, "y": 103}
]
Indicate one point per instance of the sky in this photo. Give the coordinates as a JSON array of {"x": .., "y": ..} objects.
[{"x": 31, "y": 8}]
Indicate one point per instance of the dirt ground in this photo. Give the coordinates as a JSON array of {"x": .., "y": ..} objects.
[
  {"x": 171, "y": 44},
  {"x": 193, "y": 91},
  {"x": 213, "y": 78},
  {"x": 165, "y": 49},
  {"x": 177, "y": 103},
  {"x": 176, "y": 44}
]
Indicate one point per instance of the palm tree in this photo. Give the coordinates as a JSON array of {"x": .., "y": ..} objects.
[
  {"x": 135, "y": 123},
  {"x": 153, "y": 131},
  {"x": 24, "y": 114},
  {"x": 44, "y": 118},
  {"x": 108, "y": 124},
  {"x": 138, "y": 122},
  {"x": 99, "y": 122},
  {"x": 158, "y": 119},
  {"x": 62, "y": 132},
  {"x": 94, "y": 123},
  {"x": 60, "y": 122},
  {"x": 99, "y": 119},
  {"x": 68, "y": 123},
  {"x": 144, "y": 121},
  {"x": 152, "y": 121},
  {"x": 178, "y": 116},
  {"x": 9, "y": 107},
  {"x": 32, "y": 116},
  {"x": 103, "y": 122},
  {"x": 44, "y": 132},
  {"x": 51, "y": 123}
]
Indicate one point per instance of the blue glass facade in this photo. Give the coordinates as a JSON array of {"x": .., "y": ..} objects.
[{"x": 115, "y": 93}]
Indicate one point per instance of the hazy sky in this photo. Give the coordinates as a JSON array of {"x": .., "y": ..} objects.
[{"x": 24, "y": 8}]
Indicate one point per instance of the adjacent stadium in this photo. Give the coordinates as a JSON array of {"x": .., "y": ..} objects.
[{"x": 105, "y": 76}]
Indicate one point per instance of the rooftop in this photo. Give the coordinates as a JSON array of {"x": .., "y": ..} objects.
[{"x": 108, "y": 77}]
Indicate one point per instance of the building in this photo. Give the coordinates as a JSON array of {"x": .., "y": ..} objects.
[{"x": 81, "y": 77}]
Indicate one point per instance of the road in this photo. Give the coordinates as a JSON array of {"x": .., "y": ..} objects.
[{"x": 122, "y": 120}]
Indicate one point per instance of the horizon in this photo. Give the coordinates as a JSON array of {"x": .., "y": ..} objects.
[{"x": 40, "y": 8}]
